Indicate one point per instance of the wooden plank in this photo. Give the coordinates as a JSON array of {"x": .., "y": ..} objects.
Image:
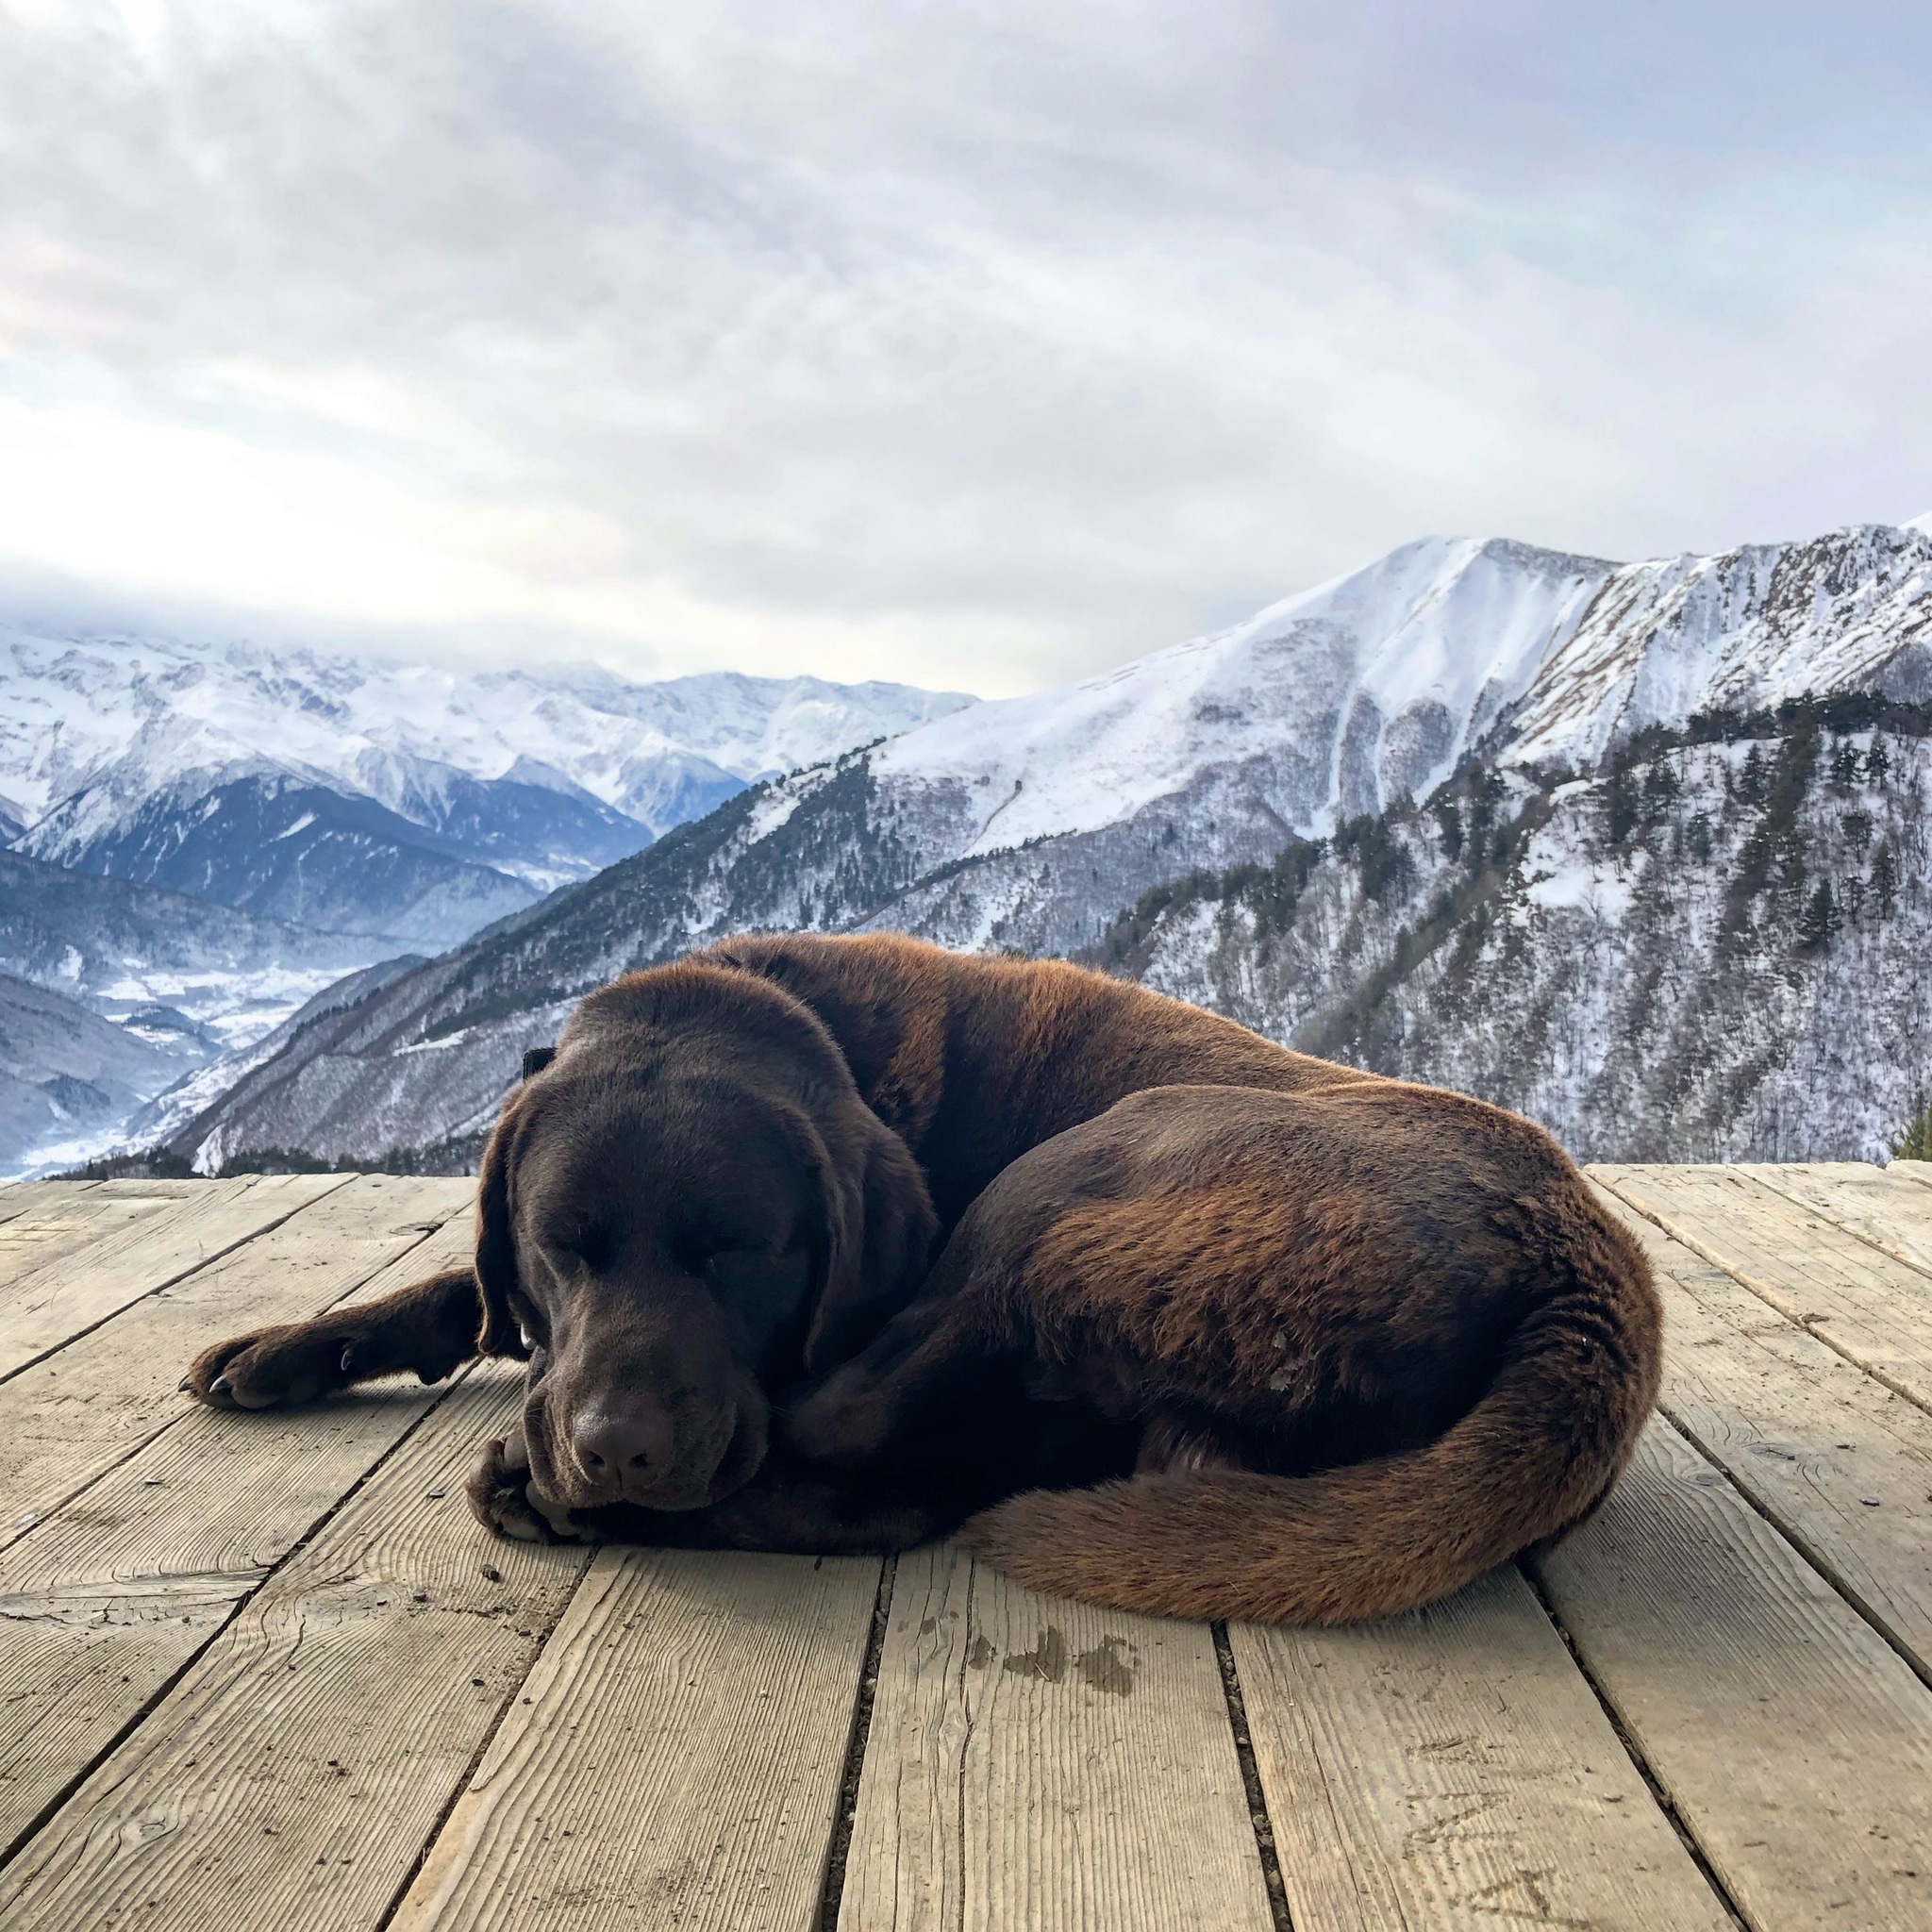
[
  {"x": 1920, "y": 1171},
  {"x": 679, "y": 1760},
  {"x": 69, "y": 1418},
  {"x": 1881, "y": 1210},
  {"x": 1842, "y": 1464},
  {"x": 45, "y": 1230},
  {"x": 1043, "y": 1763},
  {"x": 103, "y": 1602},
  {"x": 59, "y": 1299},
  {"x": 133, "y": 1188},
  {"x": 1451, "y": 1768},
  {"x": 17, "y": 1197},
  {"x": 295, "y": 1773},
  {"x": 1873, "y": 1310},
  {"x": 1794, "y": 1743}
]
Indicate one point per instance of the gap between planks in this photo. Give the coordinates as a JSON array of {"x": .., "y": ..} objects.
[
  {"x": 1868, "y": 1306},
  {"x": 58, "y": 1300},
  {"x": 69, "y": 1418}
]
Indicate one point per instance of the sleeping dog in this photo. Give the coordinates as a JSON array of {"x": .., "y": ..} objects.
[{"x": 835, "y": 1245}]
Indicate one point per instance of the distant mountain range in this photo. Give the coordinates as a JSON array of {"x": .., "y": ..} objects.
[
  {"x": 401, "y": 801},
  {"x": 220, "y": 831},
  {"x": 1033, "y": 823}
]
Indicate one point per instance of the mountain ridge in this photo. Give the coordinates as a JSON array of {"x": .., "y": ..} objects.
[
  {"x": 462, "y": 797},
  {"x": 1031, "y": 822}
]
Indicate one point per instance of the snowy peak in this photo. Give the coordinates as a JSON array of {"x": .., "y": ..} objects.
[
  {"x": 399, "y": 800},
  {"x": 1372, "y": 686},
  {"x": 1348, "y": 695},
  {"x": 1848, "y": 610}
]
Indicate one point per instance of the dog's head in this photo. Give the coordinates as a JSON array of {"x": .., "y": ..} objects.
[{"x": 688, "y": 1205}]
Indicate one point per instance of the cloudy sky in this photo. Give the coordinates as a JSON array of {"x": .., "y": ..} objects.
[{"x": 979, "y": 346}]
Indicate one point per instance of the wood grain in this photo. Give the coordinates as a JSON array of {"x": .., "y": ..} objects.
[
  {"x": 39, "y": 1231},
  {"x": 1891, "y": 1214},
  {"x": 294, "y": 1775},
  {"x": 1872, "y": 1308},
  {"x": 1451, "y": 1768},
  {"x": 679, "y": 1758},
  {"x": 1039, "y": 1763},
  {"x": 1794, "y": 1743},
  {"x": 18, "y": 1197},
  {"x": 1920, "y": 1171},
  {"x": 57, "y": 1299},
  {"x": 67, "y": 1419},
  {"x": 1840, "y": 1463},
  {"x": 103, "y": 1602}
]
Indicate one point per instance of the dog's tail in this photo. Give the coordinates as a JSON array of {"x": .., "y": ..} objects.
[{"x": 1535, "y": 1456}]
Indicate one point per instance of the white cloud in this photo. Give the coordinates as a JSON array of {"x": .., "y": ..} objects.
[{"x": 974, "y": 344}]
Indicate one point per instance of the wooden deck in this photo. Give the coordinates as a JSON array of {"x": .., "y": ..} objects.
[{"x": 264, "y": 1672}]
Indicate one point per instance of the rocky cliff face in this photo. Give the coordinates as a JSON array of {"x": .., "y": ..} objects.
[{"x": 1715, "y": 952}]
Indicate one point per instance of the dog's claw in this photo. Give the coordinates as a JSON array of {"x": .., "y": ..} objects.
[
  {"x": 182, "y": 1384},
  {"x": 219, "y": 1385},
  {"x": 348, "y": 1358}
]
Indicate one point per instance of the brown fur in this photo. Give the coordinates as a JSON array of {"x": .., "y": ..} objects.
[
  {"x": 1250, "y": 1335},
  {"x": 1378, "y": 1339}
]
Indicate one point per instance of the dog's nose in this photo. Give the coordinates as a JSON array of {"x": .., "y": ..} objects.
[{"x": 609, "y": 1446}]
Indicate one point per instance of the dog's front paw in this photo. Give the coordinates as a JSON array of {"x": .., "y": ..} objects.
[
  {"x": 273, "y": 1368},
  {"x": 502, "y": 1500}
]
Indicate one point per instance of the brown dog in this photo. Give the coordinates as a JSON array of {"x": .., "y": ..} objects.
[{"x": 1360, "y": 1340}]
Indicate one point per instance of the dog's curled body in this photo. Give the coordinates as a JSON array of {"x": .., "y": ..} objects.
[
  {"x": 1213, "y": 1327},
  {"x": 1377, "y": 1338}
]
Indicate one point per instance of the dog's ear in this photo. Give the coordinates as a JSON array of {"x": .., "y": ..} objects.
[
  {"x": 498, "y": 1331},
  {"x": 878, "y": 1237}
]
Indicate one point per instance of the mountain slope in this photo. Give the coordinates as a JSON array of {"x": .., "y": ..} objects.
[
  {"x": 436, "y": 802},
  {"x": 1030, "y": 823},
  {"x": 1716, "y": 950},
  {"x": 66, "y": 1074},
  {"x": 271, "y": 844},
  {"x": 117, "y": 946}
]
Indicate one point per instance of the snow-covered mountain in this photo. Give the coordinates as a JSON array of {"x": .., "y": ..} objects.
[
  {"x": 185, "y": 981},
  {"x": 218, "y": 832},
  {"x": 67, "y": 1076},
  {"x": 402, "y": 800},
  {"x": 1721, "y": 950},
  {"x": 1032, "y": 822}
]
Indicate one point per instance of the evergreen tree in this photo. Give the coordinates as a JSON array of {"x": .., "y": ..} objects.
[
  {"x": 1885, "y": 881},
  {"x": 1660, "y": 789},
  {"x": 1818, "y": 925},
  {"x": 1913, "y": 1142},
  {"x": 1621, "y": 805},
  {"x": 1449, "y": 823},
  {"x": 1844, "y": 764},
  {"x": 1853, "y": 897},
  {"x": 1751, "y": 780},
  {"x": 1878, "y": 761}
]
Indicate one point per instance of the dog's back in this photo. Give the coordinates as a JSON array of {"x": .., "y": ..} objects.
[{"x": 974, "y": 1059}]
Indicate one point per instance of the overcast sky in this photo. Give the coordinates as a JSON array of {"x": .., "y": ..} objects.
[{"x": 978, "y": 345}]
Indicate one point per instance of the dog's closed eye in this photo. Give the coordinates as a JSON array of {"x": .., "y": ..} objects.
[{"x": 588, "y": 1242}]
